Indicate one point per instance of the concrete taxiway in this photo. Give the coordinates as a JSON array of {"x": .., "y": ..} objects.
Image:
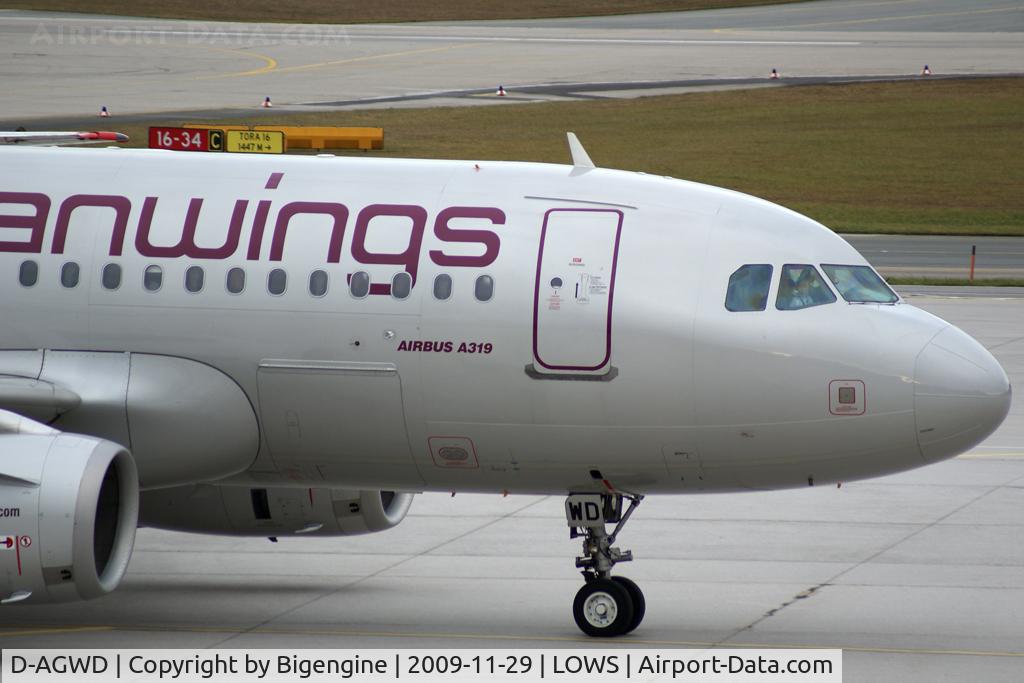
[
  {"x": 918, "y": 576},
  {"x": 141, "y": 65}
]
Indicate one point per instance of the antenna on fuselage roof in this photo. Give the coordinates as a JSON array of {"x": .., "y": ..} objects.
[{"x": 580, "y": 158}]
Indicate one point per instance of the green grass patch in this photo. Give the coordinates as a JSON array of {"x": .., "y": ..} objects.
[
  {"x": 929, "y": 157},
  {"x": 957, "y": 282},
  {"x": 916, "y": 220},
  {"x": 335, "y": 12}
]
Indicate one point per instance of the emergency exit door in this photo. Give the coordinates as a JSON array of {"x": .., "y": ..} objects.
[{"x": 575, "y": 286}]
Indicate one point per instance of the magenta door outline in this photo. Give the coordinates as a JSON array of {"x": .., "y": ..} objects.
[{"x": 611, "y": 292}]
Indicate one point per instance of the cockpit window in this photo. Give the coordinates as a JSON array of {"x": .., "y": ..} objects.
[
  {"x": 802, "y": 287},
  {"x": 860, "y": 284},
  {"x": 748, "y": 288}
]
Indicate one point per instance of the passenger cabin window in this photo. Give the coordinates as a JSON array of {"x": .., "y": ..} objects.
[
  {"x": 484, "y": 289},
  {"x": 194, "y": 279},
  {"x": 860, "y": 284},
  {"x": 748, "y": 288},
  {"x": 277, "y": 281},
  {"x": 359, "y": 285},
  {"x": 802, "y": 287},
  {"x": 318, "y": 283},
  {"x": 443, "y": 287},
  {"x": 235, "y": 281},
  {"x": 401, "y": 285},
  {"x": 153, "y": 278},
  {"x": 28, "y": 274},
  {"x": 69, "y": 274},
  {"x": 111, "y": 276}
]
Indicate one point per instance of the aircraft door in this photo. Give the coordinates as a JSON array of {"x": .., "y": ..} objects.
[{"x": 574, "y": 290}]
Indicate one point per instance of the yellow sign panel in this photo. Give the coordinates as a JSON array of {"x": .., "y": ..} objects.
[{"x": 255, "y": 141}]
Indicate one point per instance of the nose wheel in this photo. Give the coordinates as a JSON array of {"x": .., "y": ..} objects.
[{"x": 606, "y": 605}]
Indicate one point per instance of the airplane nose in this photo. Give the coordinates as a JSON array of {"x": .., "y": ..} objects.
[{"x": 961, "y": 394}]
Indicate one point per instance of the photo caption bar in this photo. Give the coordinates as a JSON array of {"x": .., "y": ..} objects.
[{"x": 424, "y": 666}]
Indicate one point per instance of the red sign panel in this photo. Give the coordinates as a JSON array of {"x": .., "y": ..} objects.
[{"x": 186, "y": 139}]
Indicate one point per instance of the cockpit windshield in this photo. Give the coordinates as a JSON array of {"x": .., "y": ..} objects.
[
  {"x": 860, "y": 284},
  {"x": 802, "y": 287},
  {"x": 748, "y": 288}
]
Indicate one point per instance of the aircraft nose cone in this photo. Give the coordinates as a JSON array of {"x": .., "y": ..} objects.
[{"x": 961, "y": 394}]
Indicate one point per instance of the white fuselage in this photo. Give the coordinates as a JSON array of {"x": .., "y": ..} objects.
[{"x": 604, "y": 351}]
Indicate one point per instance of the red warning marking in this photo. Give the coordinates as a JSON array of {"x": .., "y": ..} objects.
[
  {"x": 17, "y": 552},
  {"x": 24, "y": 541}
]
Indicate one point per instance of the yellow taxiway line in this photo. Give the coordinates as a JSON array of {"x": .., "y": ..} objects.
[
  {"x": 48, "y": 631},
  {"x": 269, "y": 63},
  {"x": 975, "y": 455},
  {"x": 367, "y": 58},
  {"x": 519, "y": 638}
]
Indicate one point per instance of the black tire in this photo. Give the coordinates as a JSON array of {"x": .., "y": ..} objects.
[
  {"x": 639, "y": 603},
  {"x": 603, "y": 608}
]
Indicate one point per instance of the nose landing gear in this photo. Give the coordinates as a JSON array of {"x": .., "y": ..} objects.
[{"x": 606, "y": 605}]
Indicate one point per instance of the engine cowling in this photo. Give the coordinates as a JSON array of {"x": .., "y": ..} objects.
[
  {"x": 68, "y": 513},
  {"x": 281, "y": 511}
]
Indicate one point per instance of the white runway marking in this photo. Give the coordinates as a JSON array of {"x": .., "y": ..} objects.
[{"x": 320, "y": 35}]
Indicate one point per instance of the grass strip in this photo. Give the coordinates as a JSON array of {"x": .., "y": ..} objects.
[
  {"x": 377, "y": 11},
  {"x": 915, "y": 157}
]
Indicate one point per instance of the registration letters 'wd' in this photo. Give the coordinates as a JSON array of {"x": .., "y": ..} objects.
[{"x": 583, "y": 510}]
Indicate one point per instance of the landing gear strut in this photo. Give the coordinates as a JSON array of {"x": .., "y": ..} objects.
[{"x": 606, "y": 605}]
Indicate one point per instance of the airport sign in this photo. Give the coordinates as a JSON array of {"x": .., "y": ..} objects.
[
  {"x": 256, "y": 141},
  {"x": 186, "y": 139}
]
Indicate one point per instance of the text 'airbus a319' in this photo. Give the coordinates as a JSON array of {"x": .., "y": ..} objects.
[{"x": 223, "y": 344}]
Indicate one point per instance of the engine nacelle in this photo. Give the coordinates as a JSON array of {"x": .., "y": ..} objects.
[
  {"x": 68, "y": 510},
  {"x": 241, "y": 511},
  {"x": 185, "y": 421}
]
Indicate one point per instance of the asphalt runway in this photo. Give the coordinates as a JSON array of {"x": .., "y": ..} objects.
[
  {"x": 54, "y": 66},
  {"x": 983, "y": 16},
  {"x": 918, "y": 576},
  {"x": 941, "y": 256}
]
